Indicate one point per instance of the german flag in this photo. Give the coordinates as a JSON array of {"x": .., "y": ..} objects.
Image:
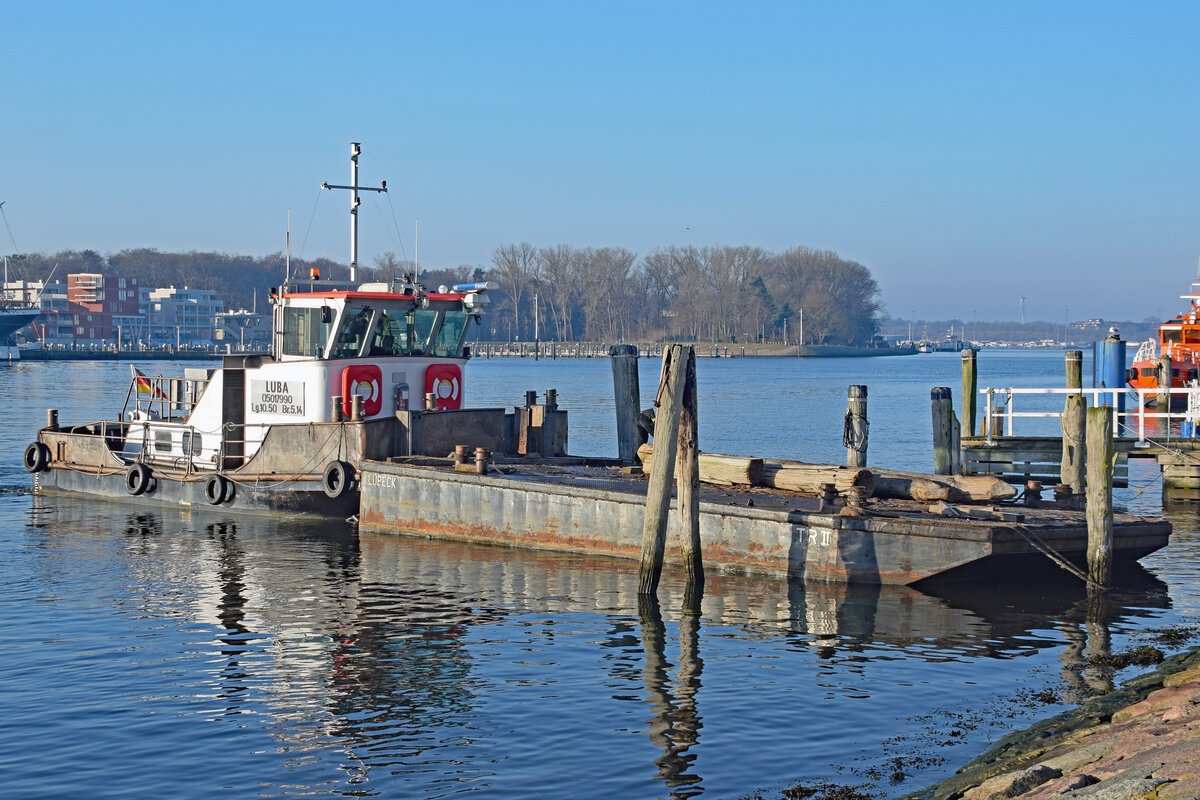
[{"x": 144, "y": 386}]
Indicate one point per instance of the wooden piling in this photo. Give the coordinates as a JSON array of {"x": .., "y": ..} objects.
[
  {"x": 942, "y": 405},
  {"x": 668, "y": 404},
  {"x": 549, "y": 429},
  {"x": 688, "y": 487},
  {"x": 626, "y": 392},
  {"x": 854, "y": 433},
  {"x": 1074, "y": 361},
  {"x": 970, "y": 390},
  {"x": 1099, "y": 493},
  {"x": 1073, "y": 470},
  {"x": 1162, "y": 400}
]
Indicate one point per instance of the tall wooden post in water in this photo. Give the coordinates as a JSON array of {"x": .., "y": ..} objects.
[
  {"x": 688, "y": 489},
  {"x": 942, "y": 405},
  {"x": 1099, "y": 493},
  {"x": 1073, "y": 469},
  {"x": 1162, "y": 400},
  {"x": 970, "y": 390},
  {"x": 855, "y": 431},
  {"x": 627, "y": 394},
  {"x": 668, "y": 404}
]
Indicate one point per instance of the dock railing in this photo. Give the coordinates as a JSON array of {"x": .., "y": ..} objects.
[{"x": 1000, "y": 409}]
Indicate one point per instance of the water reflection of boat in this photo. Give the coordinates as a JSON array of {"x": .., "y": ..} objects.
[{"x": 380, "y": 644}]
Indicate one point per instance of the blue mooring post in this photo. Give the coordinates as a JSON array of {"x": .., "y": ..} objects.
[{"x": 1112, "y": 368}]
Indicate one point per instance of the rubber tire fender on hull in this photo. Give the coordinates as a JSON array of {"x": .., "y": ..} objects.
[
  {"x": 137, "y": 479},
  {"x": 336, "y": 478},
  {"x": 37, "y": 456},
  {"x": 218, "y": 489}
]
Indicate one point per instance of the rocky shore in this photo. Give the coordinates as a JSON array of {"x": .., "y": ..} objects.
[{"x": 1142, "y": 741}]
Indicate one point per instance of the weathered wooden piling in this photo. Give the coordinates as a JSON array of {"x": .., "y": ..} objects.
[
  {"x": 1099, "y": 493},
  {"x": 942, "y": 405},
  {"x": 1074, "y": 363},
  {"x": 1073, "y": 470},
  {"x": 854, "y": 433},
  {"x": 1162, "y": 400},
  {"x": 628, "y": 398},
  {"x": 549, "y": 428},
  {"x": 970, "y": 390},
  {"x": 668, "y": 404},
  {"x": 688, "y": 489}
]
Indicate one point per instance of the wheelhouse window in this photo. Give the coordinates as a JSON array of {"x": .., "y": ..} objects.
[
  {"x": 356, "y": 324},
  {"x": 448, "y": 339},
  {"x": 304, "y": 334}
]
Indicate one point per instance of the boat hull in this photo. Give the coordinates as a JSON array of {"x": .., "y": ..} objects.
[
  {"x": 274, "y": 498},
  {"x": 592, "y": 512}
]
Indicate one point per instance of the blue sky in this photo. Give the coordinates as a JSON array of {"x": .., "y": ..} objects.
[{"x": 966, "y": 153}]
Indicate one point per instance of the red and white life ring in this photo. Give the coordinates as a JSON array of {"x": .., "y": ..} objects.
[
  {"x": 445, "y": 381},
  {"x": 366, "y": 381}
]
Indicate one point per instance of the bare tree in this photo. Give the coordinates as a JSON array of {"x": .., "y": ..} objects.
[{"x": 517, "y": 267}]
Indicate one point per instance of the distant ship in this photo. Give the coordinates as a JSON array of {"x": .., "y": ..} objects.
[{"x": 13, "y": 317}]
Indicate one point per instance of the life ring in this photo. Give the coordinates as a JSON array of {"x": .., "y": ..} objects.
[
  {"x": 444, "y": 382},
  {"x": 137, "y": 479},
  {"x": 366, "y": 381},
  {"x": 215, "y": 489},
  {"x": 37, "y": 456},
  {"x": 336, "y": 478}
]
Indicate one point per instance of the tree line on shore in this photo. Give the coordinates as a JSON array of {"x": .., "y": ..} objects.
[{"x": 718, "y": 293}]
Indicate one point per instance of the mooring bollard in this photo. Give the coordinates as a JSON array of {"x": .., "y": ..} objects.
[
  {"x": 481, "y": 459},
  {"x": 430, "y": 401},
  {"x": 52, "y": 419},
  {"x": 942, "y": 406},
  {"x": 356, "y": 408},
  {"x": 970, "y": 390},
  {"x": 668, "y": 404},
  {"x": 460, "y": 453},
  {"x": 335, "y": 408},
  {"x": 1099, "y": 493},
  {"x": 854, "y": 432}
]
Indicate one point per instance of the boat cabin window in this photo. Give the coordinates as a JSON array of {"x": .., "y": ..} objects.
[
  {"x": 399, "y": 332},
  {"x": 304, "y": 332},
  {"x": 1172, "y": 336},
  {"x": 448, "y": 339},
  {"x": 356, "y": 324}
]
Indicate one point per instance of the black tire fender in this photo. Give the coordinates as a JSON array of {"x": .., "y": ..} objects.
[
  {"x": 336, "y": 478},
  {"x": 37, "y": 456},
  {"x": 215, "y": 489},
  {"x": 137, "y": 479}
]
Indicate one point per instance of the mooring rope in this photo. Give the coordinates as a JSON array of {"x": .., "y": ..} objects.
[{"x": 848, "y": 437}]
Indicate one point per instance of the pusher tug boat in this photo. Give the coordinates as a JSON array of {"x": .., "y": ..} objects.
[
  {"x": 1178, "y": 338},
  {"x": 349, "y": 369}
]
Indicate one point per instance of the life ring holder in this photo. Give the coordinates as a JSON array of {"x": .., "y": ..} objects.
[
  {"x": 218, "y": 489},
  {"x": 37, "y": 457},
  {"x": 137, "y": 479},
  {"x": 336, "y": 479}
]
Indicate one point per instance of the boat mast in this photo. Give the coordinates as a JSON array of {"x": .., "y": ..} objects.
[{"x": 355, "y": 149}]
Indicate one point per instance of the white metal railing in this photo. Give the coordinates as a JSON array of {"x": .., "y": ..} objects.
[{"x": 1001, "y": 405}]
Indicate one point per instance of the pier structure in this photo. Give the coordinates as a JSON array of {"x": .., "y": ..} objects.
[{"x": 1146, "y": 430}]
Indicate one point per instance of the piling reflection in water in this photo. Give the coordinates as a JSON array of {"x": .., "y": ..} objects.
[{"x": 413, "y": 663}]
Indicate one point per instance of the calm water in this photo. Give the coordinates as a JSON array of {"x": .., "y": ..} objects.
[{"x": 188, "y": 654}]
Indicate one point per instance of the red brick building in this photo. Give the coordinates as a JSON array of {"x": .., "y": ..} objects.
[{"x": 94, "y": 300}]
